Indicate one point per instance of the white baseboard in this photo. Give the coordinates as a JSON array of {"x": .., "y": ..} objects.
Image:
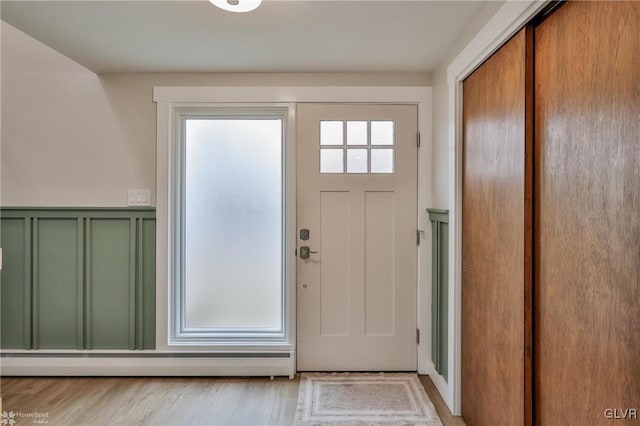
[{"x": 57, "y": 365}]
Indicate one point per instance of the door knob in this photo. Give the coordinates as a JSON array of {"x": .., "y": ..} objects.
[{"x": 305, "y": 251}]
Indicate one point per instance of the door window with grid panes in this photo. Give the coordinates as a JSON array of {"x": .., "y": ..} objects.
[{"x": 358, "y": 146}]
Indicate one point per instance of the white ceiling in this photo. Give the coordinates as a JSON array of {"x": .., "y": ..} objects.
[{"x": 280, "y": 36}]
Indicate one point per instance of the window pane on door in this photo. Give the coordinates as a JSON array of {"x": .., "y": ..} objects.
[
  {"x": 331, "y": 160},
  {"x": 356, "y": 133},
  {"x": 233, "y": 219},
  {"x": 381, "y": 161},
  {"x": 357, "y": 161},
  {"x": 331, "y": 133},
  {"x": 382, "y": 133}
]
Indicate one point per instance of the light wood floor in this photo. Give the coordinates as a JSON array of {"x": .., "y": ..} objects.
[
  {"x": 165, "y": 401},
  {"x": 443, "y": 411}
]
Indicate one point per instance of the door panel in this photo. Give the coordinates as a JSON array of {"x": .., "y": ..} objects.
[
  {"x": 588, "y": 213},
  {"x": 357, "y": 295},
  {"x": 335, "y": 229},
  {"x": 496, "y": 239},
  {"x": 379, "y": 263}
]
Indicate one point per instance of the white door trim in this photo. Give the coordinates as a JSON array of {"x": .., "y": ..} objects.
[
  {"x": 507, "y": 21},
  {"x": 165, "y": 97}
]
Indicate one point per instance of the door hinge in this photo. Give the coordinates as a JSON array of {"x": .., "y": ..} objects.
[
  {"x": 418, "y": 140},
  {"x": 419, "y": 232},
  {"x": 417, "y": 336},
  {"x": 295, "y": 252}
]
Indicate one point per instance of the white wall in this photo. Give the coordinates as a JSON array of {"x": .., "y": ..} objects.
[
  {"x": 73, "y": 138},
  {"x": 441, "y": 119},
  {"x": 61, "y": 142}
]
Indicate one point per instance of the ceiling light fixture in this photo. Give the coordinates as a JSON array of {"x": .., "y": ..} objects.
[{"x": 237, "y": 5}]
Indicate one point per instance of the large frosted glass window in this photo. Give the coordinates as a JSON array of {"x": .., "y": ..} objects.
[{"x": 232, "y": 225}]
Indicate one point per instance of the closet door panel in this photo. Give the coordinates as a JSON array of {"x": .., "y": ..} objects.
[
  {"x": 496, "y": 240},
  {"x": 587, "y": 125}
]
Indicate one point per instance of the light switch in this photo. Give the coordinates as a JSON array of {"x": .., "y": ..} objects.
[{"x": 139, "y": 197}]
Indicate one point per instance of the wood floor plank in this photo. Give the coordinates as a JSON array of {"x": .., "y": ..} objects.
[
  {"x": 51, "y": 399},
  {"x": 121, "y": 392},
  {"x": 149, "y": 402},
  {"x": 284, "y": 409},
  {"x": 77, "y": 396},
  {"x": 256, "y": 404},
  {"x": 222, "y": 402},
  {"x": 183, "y": 400},
  {"x": 443, "y": 411}
]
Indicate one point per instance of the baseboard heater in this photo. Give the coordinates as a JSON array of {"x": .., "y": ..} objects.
[{"x": 147, "y": 364}]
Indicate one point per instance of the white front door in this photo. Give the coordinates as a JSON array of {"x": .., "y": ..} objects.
[{"x": 357, "y": 197}]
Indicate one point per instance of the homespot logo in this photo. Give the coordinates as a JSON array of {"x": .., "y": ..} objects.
[
  {"x": 11, "y": 418},
  {"x": 621, "y": 413},
  {"x": 8, "y": 419}
]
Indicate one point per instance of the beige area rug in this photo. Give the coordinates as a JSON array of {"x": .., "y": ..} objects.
[{"x": 363, "y": 399}]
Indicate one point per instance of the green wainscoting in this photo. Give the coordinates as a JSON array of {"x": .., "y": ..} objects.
[
  {"x": 440, "y": 289},
  {"x": 78, "y": 278}
]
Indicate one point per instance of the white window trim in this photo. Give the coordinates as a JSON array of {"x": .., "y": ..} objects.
[
  {"x": 169, "y": 98},
  {"x": 177, "y": 334},
  {"x": 168, "y": 339}
]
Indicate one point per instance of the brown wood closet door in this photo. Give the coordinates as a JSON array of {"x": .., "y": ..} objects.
[
  {"x": 496, "y": 238},
  {"x": 587, "y": 108}
]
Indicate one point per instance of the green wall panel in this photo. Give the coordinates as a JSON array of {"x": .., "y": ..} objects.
[
  {"x": 56, "y": 284},
  {"x": 440, "y": 290},
  {"x": 148, "y": 256},
  {"x": 443, "y": 301},
  {"x": 78, "y": 278},
  {"x": 109, "y": 284},
  {"x": 15, "y": 284}
]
